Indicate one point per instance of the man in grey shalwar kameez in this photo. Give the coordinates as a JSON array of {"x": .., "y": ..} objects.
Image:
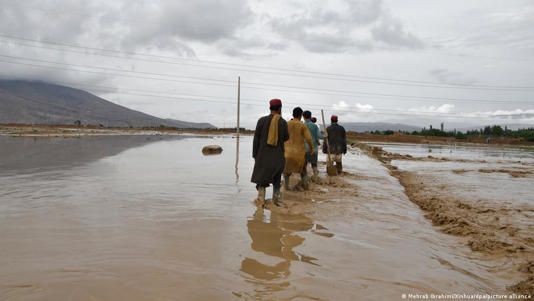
[{"x": 268, "y": 151}]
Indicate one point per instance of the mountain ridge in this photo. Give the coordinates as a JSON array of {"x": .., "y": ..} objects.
[{"x": 37, "y": 102}]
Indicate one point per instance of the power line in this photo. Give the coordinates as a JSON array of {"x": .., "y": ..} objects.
[
  {"x": 116, "y": 69},
  {"x": 254, "y": 85},
  {"x": 283, "y": 74},
  {"x": 381, "y": 111},
  {"x": 115, "y": 74},
  {"x": 58, "y": 12},
  {"x": 313, "y": 74},
  {"x": 256, "y": 101}
]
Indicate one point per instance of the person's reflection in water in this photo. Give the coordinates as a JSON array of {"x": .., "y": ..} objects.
[{"x": 275, "y": 237}]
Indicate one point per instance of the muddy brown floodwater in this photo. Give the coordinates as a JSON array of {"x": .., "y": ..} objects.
[
  {"x": 481, "y": 194},
  {"x": 151, "y": 218}
]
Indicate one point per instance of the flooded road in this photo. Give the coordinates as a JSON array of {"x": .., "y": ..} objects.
[{"x": 151, "y": 218}]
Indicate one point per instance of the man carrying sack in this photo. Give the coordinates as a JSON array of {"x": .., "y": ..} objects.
[
  {"x": 337, "y": 139},
  {"x": 268, "y": 151}
]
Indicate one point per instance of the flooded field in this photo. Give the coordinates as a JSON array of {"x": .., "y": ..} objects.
[
  {"x": 151, "y": 218},
  {"x": 483, "y": 195}
]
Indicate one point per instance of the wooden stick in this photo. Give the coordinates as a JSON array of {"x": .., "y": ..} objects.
[{"x": 326, "y": 136}]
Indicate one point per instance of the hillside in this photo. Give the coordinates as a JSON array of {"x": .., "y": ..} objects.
[
  {"x": 362, "y": 127},
  {"x": 42, "y": 103}
]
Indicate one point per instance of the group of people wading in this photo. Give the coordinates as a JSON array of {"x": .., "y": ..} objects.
[{"x": 282, "y": 147}]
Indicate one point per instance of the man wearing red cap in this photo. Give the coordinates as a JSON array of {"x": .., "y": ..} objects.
[
  {"x": 337, "y": 139},
  {"x": 268, "y": 151}
]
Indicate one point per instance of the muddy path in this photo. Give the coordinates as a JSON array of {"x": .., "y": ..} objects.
[{"x": 492, "y": 232}]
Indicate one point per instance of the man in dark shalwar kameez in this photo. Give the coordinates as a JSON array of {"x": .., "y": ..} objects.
[
  {"x": 268, "y": 151},
  {"x": 337, "y": 138}
]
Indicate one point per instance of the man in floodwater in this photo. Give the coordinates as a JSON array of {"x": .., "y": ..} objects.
[
  {"x": 268, "y": 151},
  {"x": 295, "y": 149},
  {"x": 314, "y": 120},
  {"x": 337, "y": 138},
  {"x": 316, "y": 135}
]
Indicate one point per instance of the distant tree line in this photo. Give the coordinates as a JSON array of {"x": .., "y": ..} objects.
[{"x": 488, "y": 131}]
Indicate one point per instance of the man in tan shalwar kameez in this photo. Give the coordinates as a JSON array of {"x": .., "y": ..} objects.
[{"x": 295, "y": 149}]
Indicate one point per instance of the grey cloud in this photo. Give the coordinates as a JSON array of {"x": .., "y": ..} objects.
[
  {"x": 450, "y": 77},
  {"x": 248, "y": 48},
  {"x": 516, "y": 116},
  {"x": 163, "y": 24},
  {"x": 363, "y": 25},
  {"x": 53, "y": 20},
  {"x": 141, "y": 26},
  {"x": 509, "y": 27},
  {"x": 392, "y": 33},
  {"x": 171, "y": 21}
]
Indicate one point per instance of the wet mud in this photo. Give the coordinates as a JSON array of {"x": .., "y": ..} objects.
[
  {"x": 513, "y": 173},
  {"x": 496, "y": 232}
]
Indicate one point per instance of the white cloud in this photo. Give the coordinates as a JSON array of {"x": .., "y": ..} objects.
[
  {"x": 505, "y": 114},
  {"x": 345, "y": 108},
  {"x": 341, "y": 106},
  {"x": 445, "y": 108},
  {"x": 364, "y": 107}
]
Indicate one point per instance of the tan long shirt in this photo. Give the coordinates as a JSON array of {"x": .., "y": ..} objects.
[{"x": 295, "y": 149}]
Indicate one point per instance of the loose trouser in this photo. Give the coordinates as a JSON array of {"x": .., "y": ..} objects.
[
  {"x": 303, "y": 175},
  {"x": 277, "y": 180},
  {"x": 312, "y": 159},
  {"x": 337, "y": 158}
]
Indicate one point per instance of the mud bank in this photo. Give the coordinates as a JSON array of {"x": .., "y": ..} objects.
[
  {"x": 70, "y": 131},
  {"x": 387, "y": 156},
  {"x": 514, "y": 173},
  {"x": 493, "y": 232}
]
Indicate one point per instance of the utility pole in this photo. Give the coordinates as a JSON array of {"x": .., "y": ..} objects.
[
  {"x": 238, "y": 103},
  {"x": 237, "y": 130}
]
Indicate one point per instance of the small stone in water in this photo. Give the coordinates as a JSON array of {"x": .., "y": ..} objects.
[{"x": 212, "y": 150}]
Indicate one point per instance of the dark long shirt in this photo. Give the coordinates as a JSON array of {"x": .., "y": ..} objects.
[
  {"x": 337, "y": 138},
  {"x": 269, "y": 160}
]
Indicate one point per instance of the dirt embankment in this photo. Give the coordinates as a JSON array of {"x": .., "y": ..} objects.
[
  {"x": 394, "y": 156},
  {"x": 512, "y": 172},
  {"x": 22, "y": 130},
  {"x": 492, "y": 232},
  {"x": 403, "y": 138}
]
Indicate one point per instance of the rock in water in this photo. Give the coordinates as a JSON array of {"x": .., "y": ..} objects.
[{"x": 212, "y": 150}]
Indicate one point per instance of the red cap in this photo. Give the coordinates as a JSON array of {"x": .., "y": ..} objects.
[
  {"x": 275, "y": 102},
  {"x": 333, "y": 118}
]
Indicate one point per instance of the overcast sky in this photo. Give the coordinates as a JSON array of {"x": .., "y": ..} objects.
[{"x": 460, "y": 62}]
